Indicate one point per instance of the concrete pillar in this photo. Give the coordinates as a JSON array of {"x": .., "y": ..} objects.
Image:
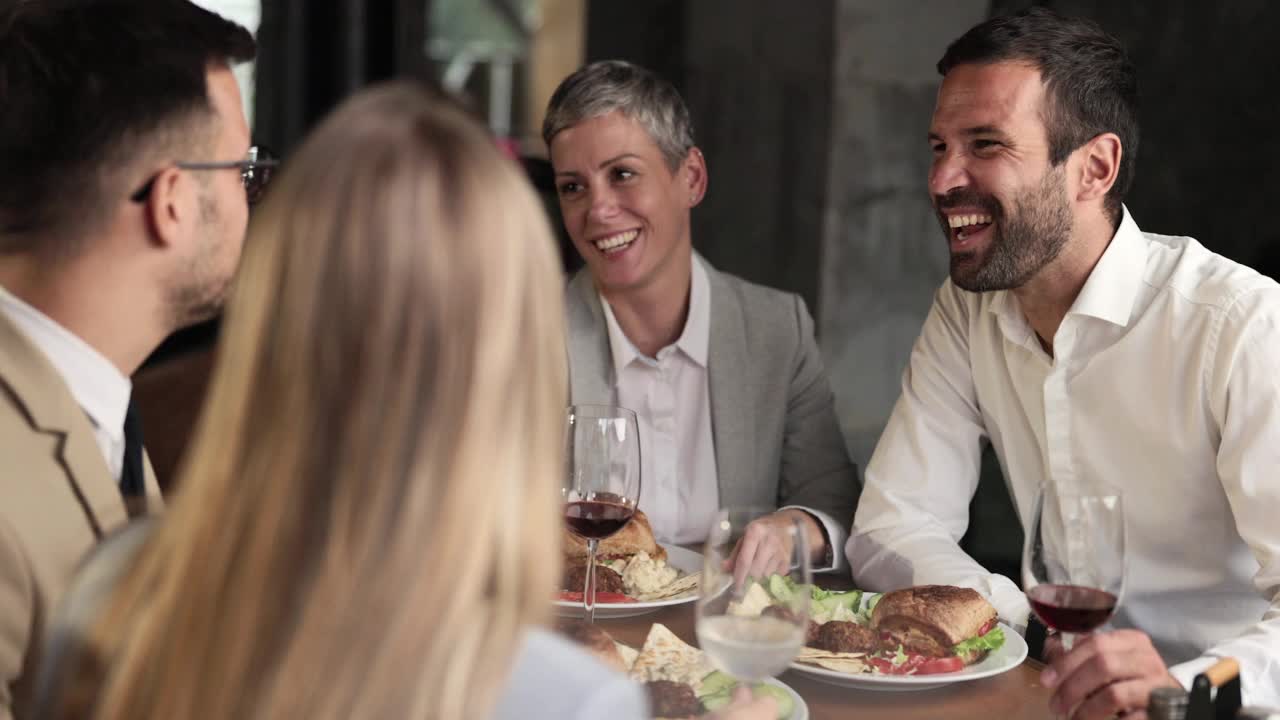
[{"x": 883, "y": 255}]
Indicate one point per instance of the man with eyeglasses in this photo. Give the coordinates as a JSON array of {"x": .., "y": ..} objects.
[{"x": 126, "y": 173}]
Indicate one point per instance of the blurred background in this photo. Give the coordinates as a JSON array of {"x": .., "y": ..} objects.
[{"x": 812, "y": 115}]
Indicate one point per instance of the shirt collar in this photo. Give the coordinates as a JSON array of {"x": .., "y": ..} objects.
[
  {"x": 694, "y": 339},
  {"x": 99, "y": 388},
  {"x": 1112, "y": 288}
]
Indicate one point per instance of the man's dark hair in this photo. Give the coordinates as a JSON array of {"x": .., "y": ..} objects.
[
  {"x": 1091, "y": 86},
  {"x": 90, "y": 88}
]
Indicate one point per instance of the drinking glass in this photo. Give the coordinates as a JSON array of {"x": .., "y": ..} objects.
[
  {"x": 602, "y": 485},
  {"x": 751, "y": 628},
  {"x": 1073, "y": 562}
]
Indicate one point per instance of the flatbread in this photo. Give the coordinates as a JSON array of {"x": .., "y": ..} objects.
[
  {"x": 628, "y": 655},
  {"x": 852, "y": 663},
  {"x": 678, "y": 587},
  {"x": 850, "y": 666},
  {"x": 667, "y": 657}
]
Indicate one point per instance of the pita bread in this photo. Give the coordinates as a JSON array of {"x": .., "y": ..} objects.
[
  {"x": 851, "y": 663},
  {"x": 628, "y": 655},
  {"x": 667, "y": 657},
  {"x": 681, "y": 586},
  {"x": 850, "y": 666}
]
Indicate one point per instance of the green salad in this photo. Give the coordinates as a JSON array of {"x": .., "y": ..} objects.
[{"x": 717, "y": 690}]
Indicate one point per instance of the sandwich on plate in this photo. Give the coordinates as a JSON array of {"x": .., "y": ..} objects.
[
  {"x": 630, "y": 566},
  {"x": 940, "y": 628},
  {"x": 921, "y": 630}
]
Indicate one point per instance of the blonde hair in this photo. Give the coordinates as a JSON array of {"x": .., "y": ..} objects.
[{"x": 369, "y": 515}]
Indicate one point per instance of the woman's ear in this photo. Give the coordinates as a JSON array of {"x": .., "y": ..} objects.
[{"x": 694, "y": 171}]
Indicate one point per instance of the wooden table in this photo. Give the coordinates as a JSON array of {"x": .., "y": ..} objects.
[{"x": 1013, "y": 695}]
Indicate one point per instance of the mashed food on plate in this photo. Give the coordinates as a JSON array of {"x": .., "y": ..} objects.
[{"x": 642, "y": 574}]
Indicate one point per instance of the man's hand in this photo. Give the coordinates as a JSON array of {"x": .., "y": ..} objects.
[
  {"x": 1104, "y": 675},
  {"x": 767, "y": 544},
  {"x": 746, "y": 707}
]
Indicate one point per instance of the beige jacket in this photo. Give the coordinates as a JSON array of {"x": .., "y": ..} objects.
[{"x": 57, "y": 499}]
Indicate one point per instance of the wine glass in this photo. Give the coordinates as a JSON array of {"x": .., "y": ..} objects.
[
  {"x": 602, "y": 485},
  {"x": 752, "y": 627},
  {"x": 1073, "y": 562}
]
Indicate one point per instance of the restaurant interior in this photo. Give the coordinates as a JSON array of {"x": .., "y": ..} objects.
[{"x": 813, "y": 117}]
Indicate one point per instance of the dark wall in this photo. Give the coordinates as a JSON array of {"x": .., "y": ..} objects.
[
  {"x": 1209, "y": 79},
  {"x": 313, "y": 55},
  {"x": 649, "y": 33},
  {"x": 757, "y": 76}
]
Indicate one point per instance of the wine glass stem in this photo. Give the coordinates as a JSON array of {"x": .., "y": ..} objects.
[
  {"x": 1068, "y": 639},
  {"x": 589, "y": 592}
]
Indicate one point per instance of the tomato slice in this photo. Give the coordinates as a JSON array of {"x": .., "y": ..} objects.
[
  {"x": 884, "y": 667},
  {"x": 601, "y": 597},
  {"x": 918, "y": 665},
  {"x": 933, "y": 666}
]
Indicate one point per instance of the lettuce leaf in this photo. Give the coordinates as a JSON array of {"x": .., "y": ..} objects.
[
  {"x": 899, "y": 657},
  {"x": 782, "y": 588},
  {"x": 993, "y": 640},
  {"x": 834, "y": 605},
  {"x": 864, "y": 615}
]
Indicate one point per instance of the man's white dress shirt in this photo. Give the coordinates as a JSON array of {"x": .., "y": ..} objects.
[
  {"x": 100, "y": 389},
  {"x": 669, "y": 394},
  {"x": 1165, "y": 382}
]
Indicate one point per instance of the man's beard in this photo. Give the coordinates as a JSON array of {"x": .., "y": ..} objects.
[
  {"x": 198, "y": 293},
  {"x": 1022, "y": 242}
]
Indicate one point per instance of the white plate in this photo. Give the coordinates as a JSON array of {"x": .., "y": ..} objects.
[
  {"x": 1009, "y": 656},
  {"x": 801, "y": 711},
  {"x": 686, "y": 561}
]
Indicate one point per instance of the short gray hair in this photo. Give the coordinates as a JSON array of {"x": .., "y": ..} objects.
[{"x": 616, "y": 85}]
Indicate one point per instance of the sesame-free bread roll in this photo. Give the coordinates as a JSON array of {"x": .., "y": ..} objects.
[{"x": 932, "y": 619}]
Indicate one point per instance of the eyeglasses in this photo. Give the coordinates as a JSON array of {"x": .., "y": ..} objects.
[{"x": 255, "y": 171}]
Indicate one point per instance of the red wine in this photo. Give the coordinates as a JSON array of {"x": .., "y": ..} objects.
[
  {"x": 595, "y": 520},
  {"x": 1071, "y": 608}
]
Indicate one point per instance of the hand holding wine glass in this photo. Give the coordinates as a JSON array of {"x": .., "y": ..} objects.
[
  {"x": 752, "y": 627},
  {"x": 1073, "y": 562},
  {"x": 602, "y": 485}
]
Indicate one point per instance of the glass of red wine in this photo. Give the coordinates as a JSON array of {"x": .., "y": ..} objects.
[
  {"x": 602, "y": 485},
  {"x": 1073, "y": 562}
]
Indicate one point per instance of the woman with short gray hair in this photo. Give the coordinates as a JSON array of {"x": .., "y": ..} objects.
[{"x": 724, "y": 375}]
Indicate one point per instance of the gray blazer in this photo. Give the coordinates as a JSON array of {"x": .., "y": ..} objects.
[{"x": 773, "y": 417}]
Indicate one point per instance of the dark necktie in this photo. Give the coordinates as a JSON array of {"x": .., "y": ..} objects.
[{"x": 132, "y": 482}]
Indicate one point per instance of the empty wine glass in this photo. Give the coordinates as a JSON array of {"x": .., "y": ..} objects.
[
  {"x": 752, "y": 628},
  {"x": 1073, "y": 562},
  {"x": 602, "y": 485}
]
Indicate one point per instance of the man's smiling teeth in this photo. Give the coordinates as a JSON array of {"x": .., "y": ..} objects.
[
  {"x": 959, "y": 221},
  {"x": 616, "y": 242}
]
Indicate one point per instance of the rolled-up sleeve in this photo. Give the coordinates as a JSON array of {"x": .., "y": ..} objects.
[{"x": 915, "y": 500}]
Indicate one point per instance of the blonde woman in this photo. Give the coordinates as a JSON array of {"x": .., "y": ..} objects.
[{"x": 368, "y": 522}]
